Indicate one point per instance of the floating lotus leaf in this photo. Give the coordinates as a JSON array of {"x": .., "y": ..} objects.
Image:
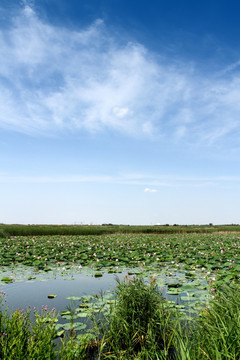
[
  {"x": 58, "y": 326},
  {"x": 67, "y": 316},
  {"x": 98, "y": 274},
  {"x": 63, "y": 313},
  {"x": 60, "y": 333},
  {"x": 83, "y": 314},
  {"x": 74, "y": 298},
  {"x": 186, "y": 298},
  {"x": 75, "y": 325},
  {"x": 179, "y": 306},
  {"x": 7, "y": 279},
  {"x": 188, "y": 287},
  {"x": 173, "y": 292},
  {"x": 81, "y": 326},
  {"x": 52, "y": 296},
  {"x": 174, "y": 285},
  {"x": 192, "y": 311}
]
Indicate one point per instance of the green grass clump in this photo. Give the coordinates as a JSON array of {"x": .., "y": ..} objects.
[
  {"x": 3, "y": 234},
  {"x": 215, "y": 333},
  {"x": 219, "y": 327},
  {"x": 139, "y": 326},
  {"x": 19, "y": 339}
]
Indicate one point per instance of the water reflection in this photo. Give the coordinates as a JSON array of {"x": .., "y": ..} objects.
[
  {"x": 35, "y": 293},
  {"x": 181, "y": 292}
]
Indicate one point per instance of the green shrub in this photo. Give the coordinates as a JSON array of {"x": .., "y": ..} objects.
[
  {"x": 139, "y": 324},
  {"x": 219, "y": 326},
  {"x": 3, "y": 234},
  {"x": 19, "y": 339},
  {"x": 215, "y": 334}
]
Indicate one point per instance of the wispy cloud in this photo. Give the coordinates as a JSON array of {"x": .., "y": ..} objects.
[
  {"x": 150, "y": 190},
  {"x": 147, "y": 183},
  {"x": 54, "y": 79}
]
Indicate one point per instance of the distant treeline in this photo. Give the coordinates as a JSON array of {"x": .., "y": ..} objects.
[{"x": 31, "y": 230}]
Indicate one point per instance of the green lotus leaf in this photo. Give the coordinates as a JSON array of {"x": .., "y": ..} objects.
[
  {"x": 63, "y": 313},
  {"x": 83, "y": 314},
  {"x": 67, "y": 316},
  {"x": 52, "y": 296},
  {"x": 81, "y": 326},
  {"x": 74, "y": 298},
  {"x": 60, "y": 333},
  {"x": 187, "y": 287},
  {"x": 58, "y": 326},
  {"x": 174, "y": 285},
  {"x": 173, "y": 292},
  {"x": 98, "y": 274},
  {"x": 7, "y": 279}
]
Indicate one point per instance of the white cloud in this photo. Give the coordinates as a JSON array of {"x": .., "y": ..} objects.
[
  {"x": 53, "y": 78},
  {"x": 150, "y": 190},
  {"x": 150, "y": 182},
  {"x": 121, "y": 111}
]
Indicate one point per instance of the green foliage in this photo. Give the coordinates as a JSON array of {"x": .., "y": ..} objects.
[
  {"x": 218, "y": 331},
  {"x": 215, "y": 333},
  {"x": 139, "y": 325},
  {"x": 3, "y": 233},
  {"x": 19, "y": 339},
  {"x": 7, "y": 279},
  {"x": 218, "y": 253},
  {"x": 36, "y": 230}
]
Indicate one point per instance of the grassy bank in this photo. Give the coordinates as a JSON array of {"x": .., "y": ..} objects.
[
  {"x": 139, "y": 326},
  {"x": 33, "y": 230}
]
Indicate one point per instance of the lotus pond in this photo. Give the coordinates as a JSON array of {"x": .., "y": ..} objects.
[{"x": 73, "y": 271}]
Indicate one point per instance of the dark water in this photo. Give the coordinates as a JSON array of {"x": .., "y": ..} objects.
[{"x": 35, "y": 293}]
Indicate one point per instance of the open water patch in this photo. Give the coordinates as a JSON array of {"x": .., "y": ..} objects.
[
  {"x": 59, "y": 287},
  {"x": 35, "y": 293}
]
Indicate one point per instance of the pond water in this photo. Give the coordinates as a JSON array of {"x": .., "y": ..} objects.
[
  {"x": 34, "y": 293},
  {"x": 31, "y": 288}
]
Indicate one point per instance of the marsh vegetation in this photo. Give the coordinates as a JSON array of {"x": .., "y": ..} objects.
[{"x": 179, "y": 298}]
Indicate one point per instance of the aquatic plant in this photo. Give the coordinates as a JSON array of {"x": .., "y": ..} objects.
[
  {"x": 218, "y": 327},
  {"x": 139, "y": 325},
  {"x": 21, "y": 339}
]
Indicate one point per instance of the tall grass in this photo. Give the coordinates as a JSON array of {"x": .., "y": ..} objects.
[
  {"x": 139, "y": 326},
  {"x": 19, "y": 339},
  {"x": 33, "y": 230},
  {"x": 218, "y": 331}
]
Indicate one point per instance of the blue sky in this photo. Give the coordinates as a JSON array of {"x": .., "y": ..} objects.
[{"x": 119, "y": 111}]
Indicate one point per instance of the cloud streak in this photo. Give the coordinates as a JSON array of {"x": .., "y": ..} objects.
[
  {"x": 150, "y": 183},
  {"x": 53, "y": 79},
  {"x": 148, "y": 190}
]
